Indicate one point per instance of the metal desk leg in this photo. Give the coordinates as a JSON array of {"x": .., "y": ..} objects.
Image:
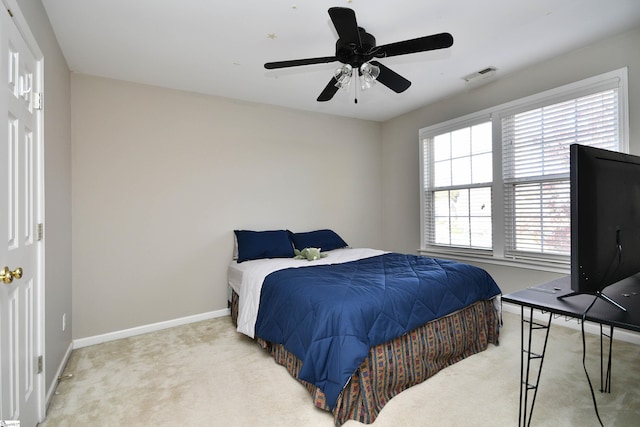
[
  {"x": 606, "y": 387},
  {"x": 527, "y": 356}
]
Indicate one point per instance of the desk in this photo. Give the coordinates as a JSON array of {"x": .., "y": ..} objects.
[{"x": 545, "y": 298}]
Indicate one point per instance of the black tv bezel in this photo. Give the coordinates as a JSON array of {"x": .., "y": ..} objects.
[{"x": 603, "y": 208}]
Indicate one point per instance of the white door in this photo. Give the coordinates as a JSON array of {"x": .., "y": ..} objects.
[{"x": 20, "y": 288}]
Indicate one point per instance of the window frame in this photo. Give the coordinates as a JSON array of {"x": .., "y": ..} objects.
[
  {"x": 451, "y": 126},
  {"x": 559, "y": 264}
]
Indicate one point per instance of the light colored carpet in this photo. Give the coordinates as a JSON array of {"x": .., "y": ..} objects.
[{"x": 206, "y": 374}]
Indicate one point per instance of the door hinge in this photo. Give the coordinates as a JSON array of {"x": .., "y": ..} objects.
[
  {"x": 40, "y": 231},
  {"x": 36, "y": 100},
  {"x": 40, "y": 367}
]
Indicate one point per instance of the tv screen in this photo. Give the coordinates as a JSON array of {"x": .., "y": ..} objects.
[{"x": 605, "y": 217}]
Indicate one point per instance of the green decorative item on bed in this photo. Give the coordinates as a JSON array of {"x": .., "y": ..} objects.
[{"x": 310, "y": 254}]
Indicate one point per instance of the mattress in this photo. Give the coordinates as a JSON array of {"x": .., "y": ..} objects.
[{"x": 234, "y": 275}]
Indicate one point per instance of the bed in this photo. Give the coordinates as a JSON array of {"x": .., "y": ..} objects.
[{"x": 357, "y": 325}]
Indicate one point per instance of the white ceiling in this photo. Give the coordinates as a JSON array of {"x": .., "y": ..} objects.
[{"x": 219, "y": 47}]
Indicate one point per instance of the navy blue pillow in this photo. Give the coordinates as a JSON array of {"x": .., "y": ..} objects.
[
  {"x": 263, "y": 244},
  {"x": 326, "y": 240}
]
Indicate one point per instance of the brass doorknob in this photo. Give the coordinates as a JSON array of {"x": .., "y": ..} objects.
[{"x": 7, "y": 275}]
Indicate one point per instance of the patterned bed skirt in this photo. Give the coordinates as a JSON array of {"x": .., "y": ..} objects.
[{"x": 400, "y": 363}]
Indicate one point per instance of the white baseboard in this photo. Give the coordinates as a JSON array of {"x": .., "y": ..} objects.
[
  {"x": 570, "y": 322},
  {"x": 139, "y": 330},
  {"x": 54, "y": 384}
]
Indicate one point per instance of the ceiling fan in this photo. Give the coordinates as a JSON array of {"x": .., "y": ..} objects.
[{"x": 356, "y": 50}]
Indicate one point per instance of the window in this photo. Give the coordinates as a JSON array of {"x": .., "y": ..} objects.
[
  {"x": 496, "y": 183},
  {"x": 460, "y": 172}
]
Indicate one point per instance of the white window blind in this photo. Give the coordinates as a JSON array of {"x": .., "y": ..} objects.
[{"x": 535, "y": 146}]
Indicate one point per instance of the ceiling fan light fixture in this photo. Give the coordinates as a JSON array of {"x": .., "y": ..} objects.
[
  {"x": 343, "y": 76},
  {"x": 368, "y": 75}
]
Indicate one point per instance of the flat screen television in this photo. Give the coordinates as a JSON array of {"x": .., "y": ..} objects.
[{"x": 605, "y": 218}]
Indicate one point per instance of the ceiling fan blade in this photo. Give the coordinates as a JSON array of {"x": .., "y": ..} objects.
[
  {"x": 328, "y": 91},
  {"x": 391, "y": 79},
  {"x": 298, "y": 62},
  {"x": 344, "y": 19},
  {"x": 421, "y": 44}
]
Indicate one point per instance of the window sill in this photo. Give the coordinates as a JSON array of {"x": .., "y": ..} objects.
[{"x": 559, "y": 267}]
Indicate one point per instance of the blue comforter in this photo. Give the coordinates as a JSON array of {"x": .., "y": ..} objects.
[{"x": 329, "y": 316}]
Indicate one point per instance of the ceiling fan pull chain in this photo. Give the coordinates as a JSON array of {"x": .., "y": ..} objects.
[{"x": 355, "y": 96}]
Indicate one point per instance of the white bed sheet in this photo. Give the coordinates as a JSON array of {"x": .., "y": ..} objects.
[{"x": 246, "y": 279}]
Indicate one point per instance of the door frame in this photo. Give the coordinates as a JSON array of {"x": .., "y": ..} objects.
[{"x": 23, "y": 26}]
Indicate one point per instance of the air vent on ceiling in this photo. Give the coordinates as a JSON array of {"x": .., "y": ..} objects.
[{"x": 480, "y": 75}]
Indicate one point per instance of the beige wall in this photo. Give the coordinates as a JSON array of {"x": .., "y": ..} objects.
[
  {"x": 162, "y": 177},
  {"x": 400, "y": 168},
  {"x": 57, "y": 168}
]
